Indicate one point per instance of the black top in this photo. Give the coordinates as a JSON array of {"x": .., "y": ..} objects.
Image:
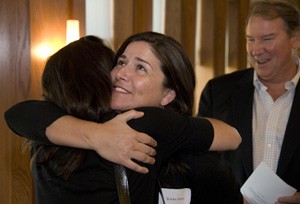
[
  {"x": 208, "y": 175},
  {"x": 94, "y": 181}
]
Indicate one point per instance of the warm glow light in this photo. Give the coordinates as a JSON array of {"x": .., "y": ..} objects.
[
  {"x": 72, "y": 31},
  {"x": 47, "y": 48},
  {"x": 44, "y": 51}
]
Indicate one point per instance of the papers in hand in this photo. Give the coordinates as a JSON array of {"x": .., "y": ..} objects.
[{"x": 264, "y": 186}]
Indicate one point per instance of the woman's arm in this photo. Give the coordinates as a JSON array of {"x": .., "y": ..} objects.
[
  {"x": 118, "y": 142},
  {"x": 31, "y": 118},
  {"x": 114, "y": 140},
  {"x": 226, "y": 137}
]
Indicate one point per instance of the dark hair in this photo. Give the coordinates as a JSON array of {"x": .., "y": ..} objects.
[
  {"x": 77, "y": 79},
  {"x": 271, "y": 10},
  {"x": 174, "y": 63}
]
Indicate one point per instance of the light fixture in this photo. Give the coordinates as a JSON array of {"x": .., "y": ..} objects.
[{"x": 72, "y": 32}]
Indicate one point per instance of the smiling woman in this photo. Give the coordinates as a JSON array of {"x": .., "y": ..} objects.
[{"x": 137, "y": 74}]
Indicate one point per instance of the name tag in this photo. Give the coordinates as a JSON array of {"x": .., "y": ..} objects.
[{"x": 175, "y": 196}]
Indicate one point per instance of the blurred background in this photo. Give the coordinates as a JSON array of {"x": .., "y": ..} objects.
[{"x": 211, "y": 31}]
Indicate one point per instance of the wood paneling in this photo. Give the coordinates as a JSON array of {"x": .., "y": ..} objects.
[
  {"x": 223, "y": 42},
  {"x": 242, "y": 10},
  {"x": 207, "y": 33},
  {"x": 180, "y": 23},
  {"x": 24, "y": 25},
  {"x": 123, "y": 21},
  {"x": 47, "y": 30},
  {"x": 212, "y": 51},
  {"x": 131, "y": 16},
  {"x": 15, "y": 180},
  {"x": 142, "y": 16},
  {"x": 220, "y": 12},
  {"x": 237, "y": 54},
  {"x": 188, "y": 38},
  {"x": 78, "y": 12},
  {"x": 173, "y": 19}
]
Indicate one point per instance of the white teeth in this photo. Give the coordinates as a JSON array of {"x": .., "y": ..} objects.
[
  {"x": 261, "y": 61},
  {"x": 120, "y": 90}
]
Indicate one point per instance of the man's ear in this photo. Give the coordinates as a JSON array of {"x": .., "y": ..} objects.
[{"x": 169, "y": 96}]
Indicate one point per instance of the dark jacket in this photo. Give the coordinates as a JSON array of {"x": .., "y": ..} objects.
[{"x": 230, "y": 99}]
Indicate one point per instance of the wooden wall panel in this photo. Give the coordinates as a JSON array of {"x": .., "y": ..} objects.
[
  {"x": 188, "y": 38},
  {"x": 77, "y": 10},
  {"x": 173, "y": 19},
  {"x": 180, "y": 23},
  {"x": 223, "y": 42},
  {"x": 220, "y": 12},
  {"x": 15, "y": 180},
  {"x": 24, "y": 25},
  {"x": 142, "y": 16},
  {"x": 131, "y": 16},
  {"x": 232, "y": 35},
  {"x": 212, "y": 51},
  {"x": 237, "y": 54},
  {"x": 242, "y": 10},
  {"x": 47, "y": 30},
  {"x": 123, "y": 21},
  {"x": 207, "y": 34}
]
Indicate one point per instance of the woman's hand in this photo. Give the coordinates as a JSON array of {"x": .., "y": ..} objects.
[
  {"x": 121, "y": 144},
  {"x": 113, "y": 140}
]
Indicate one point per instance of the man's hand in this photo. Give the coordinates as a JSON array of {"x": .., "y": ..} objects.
[{"x": 289, "y": 199}]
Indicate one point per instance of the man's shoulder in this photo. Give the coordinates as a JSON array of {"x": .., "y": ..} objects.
[
  {"x": 236, "y": 77},
  {"x": 232, "y": 80},
  {"x": 239, "y": 74}
]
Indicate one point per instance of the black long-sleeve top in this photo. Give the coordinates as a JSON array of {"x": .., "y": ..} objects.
[{"x": 94, "y": 181}]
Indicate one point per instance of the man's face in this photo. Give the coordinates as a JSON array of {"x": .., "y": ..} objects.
[{"x": 271, "y": 49}]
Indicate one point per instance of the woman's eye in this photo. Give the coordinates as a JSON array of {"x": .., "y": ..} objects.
[{"x": 120, "y": 62}]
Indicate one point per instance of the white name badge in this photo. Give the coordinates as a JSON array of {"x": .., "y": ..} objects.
[{"x": 175, "y": 196}]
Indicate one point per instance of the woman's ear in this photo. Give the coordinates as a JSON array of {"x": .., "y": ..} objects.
[{"x": 169, "y": 96}]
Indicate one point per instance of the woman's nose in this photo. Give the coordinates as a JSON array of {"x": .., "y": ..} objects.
[{"x": 120, "y": 73}]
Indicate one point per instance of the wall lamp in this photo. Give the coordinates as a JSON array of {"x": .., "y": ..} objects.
[{"x": 72, "y": 32}]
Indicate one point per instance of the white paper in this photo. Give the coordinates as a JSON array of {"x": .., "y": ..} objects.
[
  {"x": 264, "y": 186},
  {"x": 175, "y": 196}
]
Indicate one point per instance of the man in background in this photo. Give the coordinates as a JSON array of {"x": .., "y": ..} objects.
[{"x": 263, "y": 102}]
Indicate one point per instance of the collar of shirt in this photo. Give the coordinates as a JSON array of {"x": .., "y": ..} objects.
[{"x": 288, "y": 85}]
